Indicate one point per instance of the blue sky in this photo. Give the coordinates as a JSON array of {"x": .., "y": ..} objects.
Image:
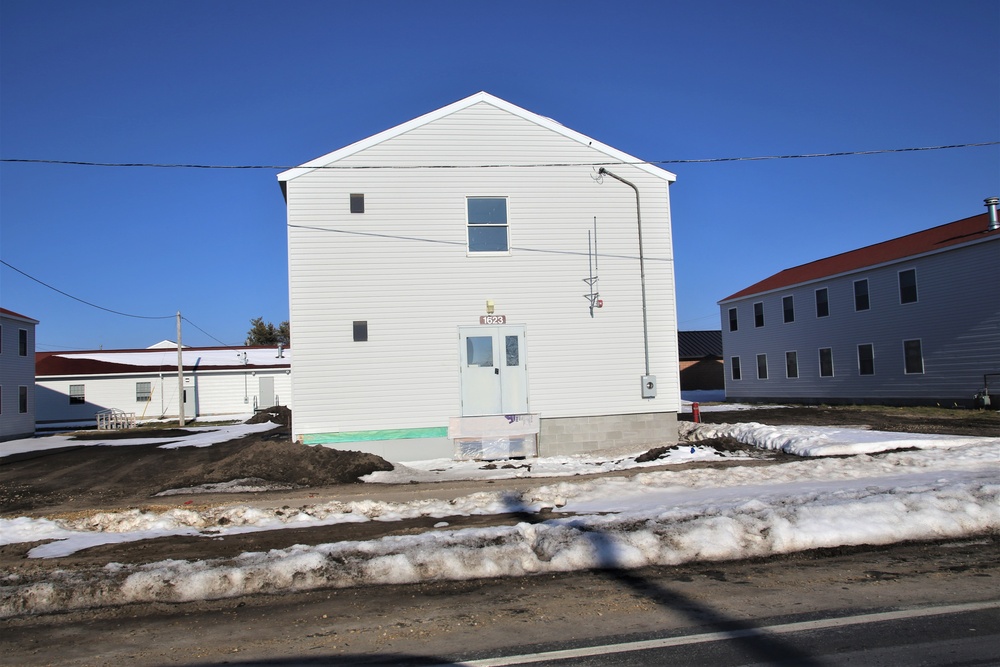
[{"x": 250, "y": 82}]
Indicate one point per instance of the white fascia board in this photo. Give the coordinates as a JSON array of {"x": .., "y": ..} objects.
[{"x": 547, "y": 123}]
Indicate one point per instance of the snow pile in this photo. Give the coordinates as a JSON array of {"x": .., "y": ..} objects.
[
  {"x": 652, "y": 518},
  {"x": 737, "y": 526},
  {"x": 201, "y": 436},
  {"x": 823, "y": 440}
]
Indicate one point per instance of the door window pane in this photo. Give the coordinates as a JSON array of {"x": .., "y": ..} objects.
[
  {"x": 513, "y": 352},
  {"x": 479, "y": 351}
]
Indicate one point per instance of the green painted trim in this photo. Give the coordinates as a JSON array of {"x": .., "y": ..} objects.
[{"x": 367, "y": 436}]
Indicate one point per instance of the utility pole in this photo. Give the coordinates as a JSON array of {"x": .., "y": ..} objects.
[{"x": 180, "y": 374}]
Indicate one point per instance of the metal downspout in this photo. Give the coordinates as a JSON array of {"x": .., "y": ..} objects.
[{"x": 642, "y": 266}]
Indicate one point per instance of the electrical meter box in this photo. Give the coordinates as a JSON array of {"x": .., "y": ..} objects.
[{"x": 649, "y": 386}]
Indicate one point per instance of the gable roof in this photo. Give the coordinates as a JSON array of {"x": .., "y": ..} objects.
[
  {"x": 615, "y": 155},
  {"x": 967, "y": 230},
  {"x": 17, "y": 316},
  {"x": 699, "y": 344}
]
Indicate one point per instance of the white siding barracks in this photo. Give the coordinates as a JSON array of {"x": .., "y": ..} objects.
[
  {"x": 913, "y": 320},
  {"x": 17, "y": 375},
  {"x": 438, "y": 272},
  {"x": 218, "y": 381}
]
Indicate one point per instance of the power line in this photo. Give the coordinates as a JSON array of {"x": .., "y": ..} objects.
[
  {"x": 158, "y": 165},
  {"x": 92, "y": 305},
  {"x": 109, "y": 310}
]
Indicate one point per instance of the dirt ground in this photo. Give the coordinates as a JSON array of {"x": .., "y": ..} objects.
[{"x": 82, "y": 480}]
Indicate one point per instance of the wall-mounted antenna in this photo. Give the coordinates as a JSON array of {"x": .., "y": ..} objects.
[{"x": 593, "y": 295}]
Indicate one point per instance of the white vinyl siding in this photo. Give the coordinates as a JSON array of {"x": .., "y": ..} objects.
[{"x": 415, "y": 283}]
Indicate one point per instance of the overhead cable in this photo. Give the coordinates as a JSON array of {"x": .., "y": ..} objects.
[{"x": 159, "y": 165}]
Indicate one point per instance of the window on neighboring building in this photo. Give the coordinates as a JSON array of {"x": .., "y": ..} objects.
[
  {"x": 1, "y": 339},
  {"x": 22, "y": 342},
  {"x": 1, "y": 400},
  {"x": 76, "y": 394},
  {"x": 861, "y": 301},
  {"x": 734, "y": 365},
  {"x": 908, "y": 286},
  {"x": 488, "y": 224},
  {"x": 358, "y": 203},
  {"x": 822, "y": 302},
  {"x": 761, "y": 366},
  {"x": 788, "y": 309},
  {"x": 143, "y": 392},
  {"x": 733, "y": 321},
  {"x": 866, "y": 359},
  {"x": 791, "y": 365},
  {"x": 826, "y": 362},
  {"x": 22, "y": 399},
  {"x": 913, "y": 357},
  {"x": 758, "y": 314}
]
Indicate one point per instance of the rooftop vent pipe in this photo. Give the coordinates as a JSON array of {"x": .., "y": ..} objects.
[{"x": 991, "y": 204}]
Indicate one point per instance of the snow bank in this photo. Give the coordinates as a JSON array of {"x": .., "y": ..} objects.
[{"x": 740, "y": 528}]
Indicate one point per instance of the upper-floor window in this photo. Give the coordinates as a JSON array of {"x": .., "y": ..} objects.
[
  {"x": 822, "y": 302},
  {"x": 826, "y": 362},
  {"x": 758, "y": 314},
  {"x": 76, "y": 394},
  {"x": 913, "y": 357},
  {"x": 734, "y": 366},
  {"x": 761, "y": 366},
  {"x": 908, "y": 286},
  {"x": 861, "y": 301},
  {"x": 788, "y": 309},
  {"x": 22, "y": 342},
  {"x": 733, "y": 320},
  {"x": 487, "y": 224},
  {"x": 791, "y": 365},
  {"x": 866, "y": 359}
]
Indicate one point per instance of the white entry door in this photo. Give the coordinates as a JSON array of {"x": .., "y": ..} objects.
[
  {"x": 266, "y": 392},
  {"x": 190, "y": 399},
  {"x": 494, "y": 375}
]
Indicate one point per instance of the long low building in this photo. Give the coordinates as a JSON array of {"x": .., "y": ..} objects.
[{"x": 217, "y": 381}]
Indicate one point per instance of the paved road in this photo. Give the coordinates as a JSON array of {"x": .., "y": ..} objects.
[{"x": 456, "y": 622}]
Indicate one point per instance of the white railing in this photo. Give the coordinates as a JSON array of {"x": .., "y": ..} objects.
[{"x": 114, "y": 419}]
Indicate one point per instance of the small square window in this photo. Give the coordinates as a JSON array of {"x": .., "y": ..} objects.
[
  {"x": 734, "y": 365},
  {"x": 357, "y": 203},
  {"x": 361, "y": 331}
]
